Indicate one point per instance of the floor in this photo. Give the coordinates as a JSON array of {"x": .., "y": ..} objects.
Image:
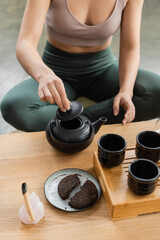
[{"x": 11, "y": 72}]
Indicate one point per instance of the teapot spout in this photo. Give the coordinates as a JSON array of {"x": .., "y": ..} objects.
[{"x": 98, "y": 123}]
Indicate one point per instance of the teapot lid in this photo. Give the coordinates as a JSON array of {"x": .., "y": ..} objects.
[{"x": 75, "y": 110}]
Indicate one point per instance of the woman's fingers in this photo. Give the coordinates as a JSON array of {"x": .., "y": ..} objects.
[
  {"x": 126, "y": 102},
  {"x": 116, "y": 105},
  {"x": 52, "y": 90},
  {"x": 56, "y": 96},
  {"x": 41, "y": 95},
  {"x": 48, "y": 96},
  {"x": 60, "y": 89},
  {"x": 130, "y": 114}
]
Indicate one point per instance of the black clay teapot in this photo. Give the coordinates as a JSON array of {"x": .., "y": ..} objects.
[{"x": 71, "y": 132}]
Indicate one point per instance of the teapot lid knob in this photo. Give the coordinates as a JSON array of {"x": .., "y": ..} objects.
[{"x": 75, "y": 110}]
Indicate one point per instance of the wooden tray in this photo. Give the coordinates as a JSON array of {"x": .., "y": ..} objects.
[{"x": 120, "y": 201}]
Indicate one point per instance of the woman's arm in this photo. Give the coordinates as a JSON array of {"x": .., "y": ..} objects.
[
  {"x": 129, "y": 58},
  {"x": 51, "y": 88}
]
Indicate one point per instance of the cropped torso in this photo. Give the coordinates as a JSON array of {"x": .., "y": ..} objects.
[{"x": 64, "y": 27}]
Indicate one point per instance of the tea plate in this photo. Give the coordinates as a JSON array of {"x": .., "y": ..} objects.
[{"x": 51, "y": 188}]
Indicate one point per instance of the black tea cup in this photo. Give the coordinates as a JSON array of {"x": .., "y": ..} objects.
[
  {"x": 148, "y": 145},
  {"x": 111, "y": 149},
  {"x": 143, "y": 176}
]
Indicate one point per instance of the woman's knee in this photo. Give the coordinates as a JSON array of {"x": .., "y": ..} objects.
[
  {"x": 26, "y": 114},
  {"x": 147, "y": 85},
  {"x": 16, "y": 113},
  {"x": 8, "y": 106},
  {"x": 147, "y": 95},
  {"x": 14, "y": 108},
  {"x": 13, "y": 113}
]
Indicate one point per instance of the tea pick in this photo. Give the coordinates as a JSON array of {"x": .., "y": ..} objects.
[{"x": 27, "y": 202}]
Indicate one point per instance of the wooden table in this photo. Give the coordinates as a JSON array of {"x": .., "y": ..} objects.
[{"x": 27, "y": 157}]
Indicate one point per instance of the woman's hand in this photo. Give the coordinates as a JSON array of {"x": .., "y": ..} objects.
[
  {"x": 51, "y": 89},
  {"x": 124, "y": 99}
]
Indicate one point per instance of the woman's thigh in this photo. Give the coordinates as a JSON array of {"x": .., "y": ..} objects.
[
  {"x": 22, "y": 107},
  {"x": 146, "y": 96},
  {"x": 104, "y": 85},
  {"x": 103, "y": 89},
  {"x": 147, "y": 84}
]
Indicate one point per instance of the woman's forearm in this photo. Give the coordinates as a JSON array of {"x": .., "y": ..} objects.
[
  {"x": 31, "y": 61},
  {"x": 128, "y": 67},
  {"x": 50, "y": 89}
]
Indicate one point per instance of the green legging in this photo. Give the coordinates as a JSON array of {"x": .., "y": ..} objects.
[{"x": 94, "y": 75}]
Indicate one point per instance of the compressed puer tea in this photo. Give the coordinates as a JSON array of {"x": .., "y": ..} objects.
[
  {"x": 67, "y": 184},
  {"x": 87, "y": 195}
]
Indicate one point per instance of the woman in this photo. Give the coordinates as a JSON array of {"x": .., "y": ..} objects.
[{"x": 78, "y": 61}]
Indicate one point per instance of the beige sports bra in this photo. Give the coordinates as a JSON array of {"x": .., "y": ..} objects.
[{"x": 63, "y": 26}]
